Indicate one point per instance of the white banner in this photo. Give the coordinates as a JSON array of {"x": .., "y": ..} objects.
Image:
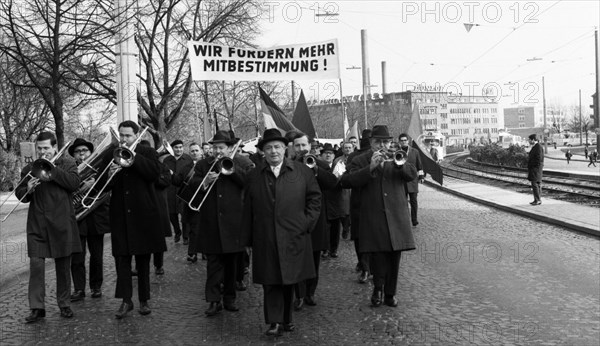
[{"x": 211, "y": 61}]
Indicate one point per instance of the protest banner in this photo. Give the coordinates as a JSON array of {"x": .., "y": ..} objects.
[{"x": 310, "y": 61}]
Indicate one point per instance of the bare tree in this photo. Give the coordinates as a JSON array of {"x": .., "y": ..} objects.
[{"x": 53, "y": 41}]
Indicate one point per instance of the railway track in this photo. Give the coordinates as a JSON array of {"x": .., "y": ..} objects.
[{"x": 580, "y": 191}]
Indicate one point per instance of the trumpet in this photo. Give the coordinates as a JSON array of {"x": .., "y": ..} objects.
[
  {"x": 225, "y": 166},
  {"x": 40, "y": 169},
  {"x": 123, "y": 157},
  {"x": 398, "y": 156},
  {"x": 310, "y": 160}
]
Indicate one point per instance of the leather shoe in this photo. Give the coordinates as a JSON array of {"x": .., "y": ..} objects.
[
  {"x": 536, "y": 203},
  {"x": 214, "y": 308},
  {"x": 230, "y": 306},
  {"x": 416, "y": 223},
  {"x": 275, "y": 330},
  {"x": 390, "y": 301},
  {"x": 66, "y": 312},
  {"x": 240, "y": 286},
  {"x": 159, "y": 271},
  {"x": 376, "y": 298},
  {"x": 333, "y": 255},
  {"x": 36, "y": 315},
  {"x": 96, "y": 293},
  {"x": 289, "y": 327},
  {"x": 186, "y": 241},
  {"x": 298, "y": 303},
  {"x": 309, "y": 301},
  {"x": 363, "y": 277},
  {"x": 123, "y": 310},
  {"x": 77, "y": 295},
  {"x": 144, "y": 309}
]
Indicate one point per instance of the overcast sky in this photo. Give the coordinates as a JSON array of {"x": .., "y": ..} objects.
[{"x": 427, "y": 42}]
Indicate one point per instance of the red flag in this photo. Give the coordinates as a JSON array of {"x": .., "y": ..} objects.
[
  {"x": 415, "y": 131},
  {"x": 273, "y": 115},
  {"x": 301, "y": 119}
]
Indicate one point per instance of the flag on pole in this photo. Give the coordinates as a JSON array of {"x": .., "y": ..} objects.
[
  {"x": 353, "y": 132},
  {"x": 429, "y": 164},
  {"x": 301, "y": 119},
  {"x": 273, "y": 115}
]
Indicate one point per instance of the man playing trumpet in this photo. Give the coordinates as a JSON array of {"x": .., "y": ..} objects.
[{"x": 51, "y": 227}]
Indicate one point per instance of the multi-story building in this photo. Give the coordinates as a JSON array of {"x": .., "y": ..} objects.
[{"x": 519, "y": 117}]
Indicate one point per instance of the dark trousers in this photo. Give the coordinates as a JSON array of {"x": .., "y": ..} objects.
[
  {"x": 363, "y": 257},
  {"x": 278, "y": 303},
  {"x": 221, "y": 268},
  {"x": 243, "y": 262},
  {"x": 124, "y": 284},
  {"x": 414, "y": 206},
  {"x": 308, "y": 287},
  {"x": 174, "y": 218},
  {"x": 95, "y": 243},
  {"x": 536, "y": 186},
  {"x": 385, "y": 266},
  {"x": 37, "y": 282},
  {"x": 334, "y": 234},
  {"x": 159, "y": 259}
]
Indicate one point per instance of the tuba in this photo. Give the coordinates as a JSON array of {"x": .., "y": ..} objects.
[{"x": 91, "y": 169}]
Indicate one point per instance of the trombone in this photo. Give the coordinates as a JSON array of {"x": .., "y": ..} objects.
[
  {"x": 224, "y": 166},
  {"x": 40, "y": 169},
  {"x": 123, "y": 157}
]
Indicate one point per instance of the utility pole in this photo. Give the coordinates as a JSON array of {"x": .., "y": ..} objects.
[
  {"x": 365, "y": 71},
  {"x": 546, "y": 132},
  {"x": 126, "y": 60},
  {"x": 293, "y": 98},
  {"x": 597, "y": 110},
  {"x": 580, "y": 123}
]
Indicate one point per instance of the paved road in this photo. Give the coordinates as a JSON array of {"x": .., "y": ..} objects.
[{"x": 479, "y": 276}]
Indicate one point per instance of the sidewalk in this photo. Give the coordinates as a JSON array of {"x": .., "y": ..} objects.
[{"x": 565, "y": 214}]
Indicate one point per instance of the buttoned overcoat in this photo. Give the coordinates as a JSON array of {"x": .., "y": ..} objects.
[
  {"x": 384, "y": 218},
  {"x": 535, "y": 164},
  {"x": 280, "y": 213},
  {"x": 51, "y": 226},
  {"x": 135, "y": 219}
]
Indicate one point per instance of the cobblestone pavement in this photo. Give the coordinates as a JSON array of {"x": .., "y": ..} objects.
[{"x": 479, "y": 276}]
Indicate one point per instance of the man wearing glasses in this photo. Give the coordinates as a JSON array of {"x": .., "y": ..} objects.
[
  {"x": 412, "y": 187},
  {"x": 384, "y": 225}
]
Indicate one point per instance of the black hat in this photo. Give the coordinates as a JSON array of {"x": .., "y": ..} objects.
[
  {"x": 79, "y": 142},
  {"x": 327, "y": 147},
  {"x": 365, "y": 142},
  {"x": 271, "y": 135},
  {"x": 221, "y": 136},
  {"x": 176, "y": 142},
  {"x": 380, "y": 132}
]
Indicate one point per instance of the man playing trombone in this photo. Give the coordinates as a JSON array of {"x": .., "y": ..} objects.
[
  {"x": 51, "y": 227},
  {"x": 220, "y": 237},
  {"x": 135, "y": 220}
]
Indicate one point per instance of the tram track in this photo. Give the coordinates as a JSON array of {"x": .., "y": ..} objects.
[{"x": 580, "y": 191}]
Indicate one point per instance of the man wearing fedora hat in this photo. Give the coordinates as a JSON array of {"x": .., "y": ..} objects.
[
  {"x": 282, "y": 205},
  {"x": 91, "y": 232},
  {"x": 220, "y": 237},
  {"x": 385, "y": 229}
]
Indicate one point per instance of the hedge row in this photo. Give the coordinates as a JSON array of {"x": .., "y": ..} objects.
[{"x": 514, "y": 156}]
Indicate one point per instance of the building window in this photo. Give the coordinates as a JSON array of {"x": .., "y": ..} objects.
[
  {"x": 521, "y": 118},
  {"x": 521, "y": 125}
]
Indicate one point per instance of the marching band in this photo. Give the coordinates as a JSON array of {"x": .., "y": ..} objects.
[{"x": 288, "y": 203}]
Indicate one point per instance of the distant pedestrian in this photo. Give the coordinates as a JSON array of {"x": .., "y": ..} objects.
[
  {"x": 568, "y": 155},
  {"x": 585, "y": 152},
  {"x": 535, "y": 166},
  {"x": 593, "y": 158},
  {"x": 554, "y": 145}
]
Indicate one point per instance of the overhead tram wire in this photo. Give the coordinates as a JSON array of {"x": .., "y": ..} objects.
[{"x": 499, "y": 42}]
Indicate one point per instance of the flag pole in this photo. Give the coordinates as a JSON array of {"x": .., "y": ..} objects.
[{"x": 343, "y": 108}]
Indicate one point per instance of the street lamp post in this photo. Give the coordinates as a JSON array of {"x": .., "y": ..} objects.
[{"x": 544, "y": 105}]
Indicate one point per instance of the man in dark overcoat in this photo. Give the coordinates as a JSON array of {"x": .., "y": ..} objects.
[
  {"x": 363, "y": 265},
  {"x": 385, "y": 229},
  {"x": 282, "y": 206},
  {"x": 412, "y": 187},
  {"x": 220, "y": 237},
  {"x": 535, "y": 166},
  {"x": 176, "y": 164},
  {"x": 305, "y": 290},
  {"x": 51, "y": 227},
  {"x": 135, "y": 219},
  {"x": 91, "y": 233}
]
